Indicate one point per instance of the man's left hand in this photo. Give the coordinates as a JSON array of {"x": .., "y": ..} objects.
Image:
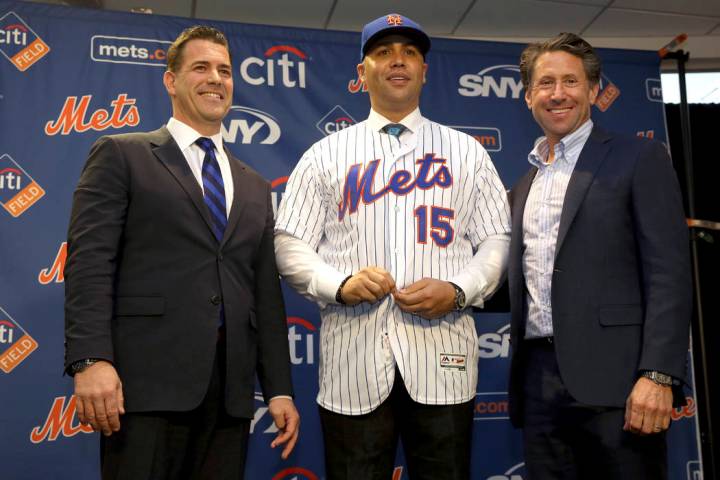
[
  {"x": 647, "y": 409},
  {"x": 287, "y": 419},
  {"x": 428, "y": 297}
]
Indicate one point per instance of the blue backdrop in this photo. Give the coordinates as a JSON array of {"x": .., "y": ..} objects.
[{"x": 70, "y": 75}]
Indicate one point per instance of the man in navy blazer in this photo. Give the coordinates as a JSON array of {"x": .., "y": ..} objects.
[
  {"x": 173, "y": 301},
  {"x": 599, "y": 280}
]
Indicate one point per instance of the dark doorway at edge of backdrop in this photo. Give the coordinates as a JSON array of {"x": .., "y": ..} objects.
[{"x": 706, "y": 175}]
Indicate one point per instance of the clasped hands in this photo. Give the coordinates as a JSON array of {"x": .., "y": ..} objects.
[{"x": 429, "y": 297}]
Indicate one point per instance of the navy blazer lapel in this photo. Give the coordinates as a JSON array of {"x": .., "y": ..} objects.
[
  {"x": 591, "y": 157},
  {"x": 238, "y": 176},
  {"x": 168, "y": 152},
  {"x": 518, "y": 199}
]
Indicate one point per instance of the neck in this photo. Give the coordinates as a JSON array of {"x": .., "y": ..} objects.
[
  {"x": 204, "y": 129},
  {"x": 394, "y": 115}
]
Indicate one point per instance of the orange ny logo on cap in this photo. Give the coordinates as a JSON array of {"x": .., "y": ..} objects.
[{"x": 394, "y": 20}]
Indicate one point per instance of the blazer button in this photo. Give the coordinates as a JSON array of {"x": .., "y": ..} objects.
[{"x": 216, "y": 299}]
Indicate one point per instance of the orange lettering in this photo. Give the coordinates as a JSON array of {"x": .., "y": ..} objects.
[
  {"x": 56, "y": 271},
  {"x": 59, "y": 420},
  {"x": 72, "y": 116}
]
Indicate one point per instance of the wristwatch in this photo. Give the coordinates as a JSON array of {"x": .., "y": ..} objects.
[
  {"x": 460, "y": 300},
  {"x": 657, "y": 377},
  {"x": 80, "y": 365}
]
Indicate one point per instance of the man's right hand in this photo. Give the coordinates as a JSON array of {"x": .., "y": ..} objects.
[
  {"x": 99, "y": 397},
  {"x": 368, "y": 285}
]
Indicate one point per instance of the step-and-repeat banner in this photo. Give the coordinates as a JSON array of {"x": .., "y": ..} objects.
[{"x": 68, "y": 76}]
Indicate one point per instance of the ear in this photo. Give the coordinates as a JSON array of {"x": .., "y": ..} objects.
[
  {"x": 528, "y": 98},
  {"x": 169, "y": 82},
  {"x": 594, "y": 90},
  {"x": 425, "y": 67},
  {"x": 361, "y": 70}
]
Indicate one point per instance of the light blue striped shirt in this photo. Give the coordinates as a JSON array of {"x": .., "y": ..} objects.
[{"x": 541, "y": 222}]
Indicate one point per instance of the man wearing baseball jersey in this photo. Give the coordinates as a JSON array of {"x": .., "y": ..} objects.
[{"x": 394, "y": 226}]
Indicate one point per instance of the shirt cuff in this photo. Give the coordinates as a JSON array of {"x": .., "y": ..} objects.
[{"x": 324, "y": 284}]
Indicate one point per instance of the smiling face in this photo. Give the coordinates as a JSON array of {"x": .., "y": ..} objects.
[
  {"x": 560, "y": 95},
  {"x": 394, "y": 72},
  {"x": 202, "y": 86}
]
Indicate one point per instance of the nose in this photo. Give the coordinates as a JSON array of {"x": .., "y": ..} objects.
[
  {"x": 213, "y": 76},
  {"x": 397, "y": 59},
  {"x": 558, "y": 92}
]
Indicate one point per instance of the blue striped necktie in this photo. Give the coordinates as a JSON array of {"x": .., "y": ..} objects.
[
  {"x": 213, "y": 187},
  {"x": 394, "y": 129}
]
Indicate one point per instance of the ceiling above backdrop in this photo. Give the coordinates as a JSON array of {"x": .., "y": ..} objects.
[{"x": 639, "y": 24}]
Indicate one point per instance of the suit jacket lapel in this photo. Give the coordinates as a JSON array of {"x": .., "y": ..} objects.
[
  {"x": 238, "y": 178},
  {"x": 168, "y": 152},
  {"x": 593, "y": 153}
]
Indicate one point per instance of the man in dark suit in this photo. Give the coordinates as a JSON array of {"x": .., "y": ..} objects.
[
  {"x": 172, "y": 294},
  {"x": 599, "y": 279}
]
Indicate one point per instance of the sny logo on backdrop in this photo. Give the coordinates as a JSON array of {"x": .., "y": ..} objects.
[
  {"x": 489, "y": 137},
  {"x": 499, "y": 80},
  {"x": 513, "y": 473},
  {"x": 59, "y": 421},
  {"x": 15, "y": 343},
  {"x": 302, "y": 345},
  {"x": 18, "y": 190},
  {"x": 278, "y": 189},
  {"x": 135, "y": 51},
  {"x": 73, "y": 116},
  {"x": 259, "y": 71},
  {"x": 495, "y": 345},
  {"x": 335, "y": 120},
  {"x": 55, "y": 272},
  {"x": 19, "y": 43},
  {"x": 249, "y": 122},
  {"x": 653, "y": 89}
]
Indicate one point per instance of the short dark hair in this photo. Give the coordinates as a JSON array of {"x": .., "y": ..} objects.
[
  {"x": 565, "y": 42},
  {"x": 197, "y": 32}
]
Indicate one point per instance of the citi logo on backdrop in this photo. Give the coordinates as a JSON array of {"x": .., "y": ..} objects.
[
  {"x": 282, "y": 65},
  {"x": 513, "y": 473},
  {"x": 278, "y": 190},
  {"x": 15, "y": 343},
  {"x": 19, "y": 43},
  {"x": 18, "y": 190},
  {"x": 335, "y": 120},
  {"x": 301, "y": 340}
]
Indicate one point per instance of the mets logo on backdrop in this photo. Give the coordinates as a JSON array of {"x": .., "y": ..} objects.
[
  {"x": 59, "y": 421},
  {"x": 19, "y": 43},
  {"x": 55, "y": 273},
  {"x": 15, "y": 343},
  {"x": 18, "y": 190}
]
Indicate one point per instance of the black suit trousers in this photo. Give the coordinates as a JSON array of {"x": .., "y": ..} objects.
[
  {"x": 203, "y": 444},
  {"x": 436, "y": 439},
  {"x": 565, "y": 439}
]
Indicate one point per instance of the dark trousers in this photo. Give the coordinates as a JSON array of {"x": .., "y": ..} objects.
[
  {"x": 436, "y": 439},
  {"x": 205, "y": 443},
  {"x": 565, "y": 439}
]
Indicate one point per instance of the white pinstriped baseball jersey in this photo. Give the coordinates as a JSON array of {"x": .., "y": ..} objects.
[{"x": 417, "y": 207}]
